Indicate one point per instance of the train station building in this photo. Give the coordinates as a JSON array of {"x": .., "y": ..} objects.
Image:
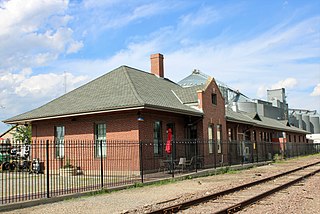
[{"x": 128, "y": 104}]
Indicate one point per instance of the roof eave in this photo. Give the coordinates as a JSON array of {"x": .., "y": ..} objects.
[
  {"x": 230, "y": 119},
  {"x": 173, "y": 110},
  {"x": 180, "y": 111},
  {"x": 27, "y": 120}
]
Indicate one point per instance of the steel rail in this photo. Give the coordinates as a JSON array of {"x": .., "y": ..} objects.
[
  {"x": 241, "y": 205},
  {"x": 193, "y": 202}
]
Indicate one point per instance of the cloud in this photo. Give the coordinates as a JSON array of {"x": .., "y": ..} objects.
[
  {"x": 262, "y": 90},
  {"x": 74, "y": 47},
  {"x": 316, "y": 91},
  {"x": 271, "y": 59},
  {"x": 287, "y": 83},
  {"x": 204, "y": 16},
  {"x": 23, "y": 91},
  {"x": 34, "y": 33},
  {"x": 14, "y": 86}
]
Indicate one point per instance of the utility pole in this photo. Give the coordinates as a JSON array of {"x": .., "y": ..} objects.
[{"x": 65, "y": 82}]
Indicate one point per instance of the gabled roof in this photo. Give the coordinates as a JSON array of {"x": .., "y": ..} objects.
[
  {"x": 260, "y": 121},
  {"x": 189, "y": 95},
  {"x": 121, "y": 89}
]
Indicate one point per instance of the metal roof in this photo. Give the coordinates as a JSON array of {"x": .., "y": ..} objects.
[
  {"x": 260, "y": 121},
  {"x": 196, "y": 78}
]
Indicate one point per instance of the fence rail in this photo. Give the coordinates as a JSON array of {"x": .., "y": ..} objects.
[{"x": 47, "y": 168}]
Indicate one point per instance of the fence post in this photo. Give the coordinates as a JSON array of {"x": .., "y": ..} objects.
[
  {"x": 215, "y": 154},
  {"x": 47, "y": 160},
  {"x": 171, "y": 155},
  {"x": 257, "y": 149},
  {"x": 141, "y": 160},
  {"x": 196, "y": 153},
  {"x": 101, "y": 164}
]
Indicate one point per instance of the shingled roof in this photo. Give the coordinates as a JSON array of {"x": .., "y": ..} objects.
[
  {"x": 120, "y": 89},
  {"x": 260, "y": 121}
]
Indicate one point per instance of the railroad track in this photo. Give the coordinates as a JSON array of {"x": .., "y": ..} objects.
[{"x": 235, "y": 199}]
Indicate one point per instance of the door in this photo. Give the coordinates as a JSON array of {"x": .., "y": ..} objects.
[{"x": 192, "y": 137}]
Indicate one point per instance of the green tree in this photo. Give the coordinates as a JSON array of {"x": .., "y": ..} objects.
[{"x": 23, "y": 134}]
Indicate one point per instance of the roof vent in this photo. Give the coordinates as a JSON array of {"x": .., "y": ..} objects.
[{"x": 196, "y": 71}]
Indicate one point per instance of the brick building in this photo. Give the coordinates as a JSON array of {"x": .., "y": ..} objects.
[
  {"x": 127, "y": 104},
  {"x": 131, "y": 105}
]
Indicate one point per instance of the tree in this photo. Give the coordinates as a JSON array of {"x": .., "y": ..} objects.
[{"x": 23, "y": 134}]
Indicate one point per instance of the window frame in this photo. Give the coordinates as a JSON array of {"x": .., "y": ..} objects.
[
  {"x": 59, "y": 141},
  {"x": 219, "y": 138},
  {"x": 98, "y": 137},
  {"x": 214, "y": 98},
  {"x": 210, "y": 138},
  {"x": 157, "y": 138}
]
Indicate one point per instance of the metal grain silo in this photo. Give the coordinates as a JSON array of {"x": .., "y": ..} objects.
[
  {"x": 315, "y": 124},
  {"x": 299, "y": 118},
  {"x": 306, "y": 122}
]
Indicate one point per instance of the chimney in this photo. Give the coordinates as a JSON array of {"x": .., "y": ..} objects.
[{"x": 157, "y": 64}]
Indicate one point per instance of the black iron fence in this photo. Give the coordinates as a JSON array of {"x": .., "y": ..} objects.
[{"x": 45, "y": 169}]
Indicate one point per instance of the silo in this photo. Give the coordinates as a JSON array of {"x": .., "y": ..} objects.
[
  {"x": 306, "y": 122},
  {"x": 299, "y": 118},
  {"x": 247, "y": 107},
  {"x": 293, "y": 120},
  {"x": 315, "y": 122}
]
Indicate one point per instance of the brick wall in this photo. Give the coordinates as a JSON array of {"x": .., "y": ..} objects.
[
  {"x": 121, "y": 127},
  {"x": 213, "y": 114},
  {"x": 80, "y": 131}
]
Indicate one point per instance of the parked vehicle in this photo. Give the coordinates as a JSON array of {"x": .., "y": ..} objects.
[{"x": 12, "y": 158}]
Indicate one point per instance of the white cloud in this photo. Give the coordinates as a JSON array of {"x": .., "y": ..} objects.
[
  {"x": 287, "y": 83},
  {"x": 262, "y": 91},
  {"x": 74, "y": 47},
  {"x": 270, "y": 60},
  {"x": 34, "y": 32},
  {"x": 316, "y": 91},
  {"x": 204, "y": 16},
  {"x": 39, "y": 86}
]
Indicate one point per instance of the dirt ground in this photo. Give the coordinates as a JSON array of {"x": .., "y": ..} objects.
[{"x": 139, "y": 200}]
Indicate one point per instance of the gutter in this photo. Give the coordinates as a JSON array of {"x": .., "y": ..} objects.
[
  {"x": 69, "y": 115},
  {"x": 23, "y": 121}
]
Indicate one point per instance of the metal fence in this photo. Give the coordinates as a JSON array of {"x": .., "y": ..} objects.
[{"x": 46, "y": 169}]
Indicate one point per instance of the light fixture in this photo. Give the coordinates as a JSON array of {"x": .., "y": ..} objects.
[{"x": 140, "y": 118}]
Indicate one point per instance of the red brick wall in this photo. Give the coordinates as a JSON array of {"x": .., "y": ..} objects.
[
  {"x": 121, "y": 128},
  {"x": 213, "y": 114},
  {"x": 80, "y": 131}
]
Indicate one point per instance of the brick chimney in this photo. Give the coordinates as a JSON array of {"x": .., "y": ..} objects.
[{"x": 157, "y": 64}]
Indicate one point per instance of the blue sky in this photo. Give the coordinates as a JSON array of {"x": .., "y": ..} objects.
[{"x": 250, "y": 45}]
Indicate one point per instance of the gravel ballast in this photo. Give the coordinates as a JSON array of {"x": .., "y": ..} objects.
[{"x": 140, "y": 200}]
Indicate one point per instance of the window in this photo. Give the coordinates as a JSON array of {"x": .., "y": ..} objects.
[
  {"x": 59, "y": 140},
  {"x": 254, "y": 136},
  {"x": 219, "y": 138},
  {"x": 230, "y": 134},
  {"x": 214, "y": 99},
  {"x": 157, "y": 138},
  {"x": 100, "y": 140},
  {"x": 210, "y": 138}
]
